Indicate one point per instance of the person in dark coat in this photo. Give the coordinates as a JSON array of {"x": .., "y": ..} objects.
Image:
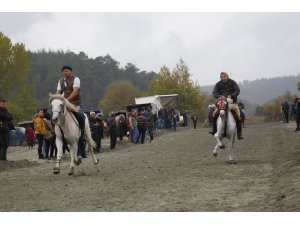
[
  {"x": 228, "y": 88},
  {"x": 95, "y": 130},
  {"x": 141, "y": 125},
  {"x": 112, "y": 126},
  {"x": 297, "y": 111},
  {"x": 5, "y": 126},
  {"x": 286, "y": 110},
  {"x": 194, "y": 119}
]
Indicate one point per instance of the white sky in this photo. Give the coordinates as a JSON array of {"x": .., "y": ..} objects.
[{"x": 248, "y": 45}]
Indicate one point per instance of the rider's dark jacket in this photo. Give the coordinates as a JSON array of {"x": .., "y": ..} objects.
[{"x": 227, "y": 88}]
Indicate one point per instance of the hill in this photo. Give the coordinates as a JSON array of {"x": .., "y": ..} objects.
[
  {"x": 95, "y": 74},
  {"x": 263, "y": 90}
]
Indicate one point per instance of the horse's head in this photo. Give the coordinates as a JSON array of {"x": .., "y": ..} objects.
[
  {"x": 222, "y": 105},
  {"x": 57, "y": 108}
]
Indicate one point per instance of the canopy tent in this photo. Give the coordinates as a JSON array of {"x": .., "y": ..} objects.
[{"x": 158, "y": 101}]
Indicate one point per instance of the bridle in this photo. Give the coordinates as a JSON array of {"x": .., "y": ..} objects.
[
  {"x": 222, "y": 104},
  {"x": 60, "y": 113}
]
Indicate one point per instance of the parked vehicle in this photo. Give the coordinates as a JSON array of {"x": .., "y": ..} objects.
[{"x": 17, "y": 137}]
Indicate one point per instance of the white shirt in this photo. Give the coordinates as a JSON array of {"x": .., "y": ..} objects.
[{"x": 75, "y": 84}]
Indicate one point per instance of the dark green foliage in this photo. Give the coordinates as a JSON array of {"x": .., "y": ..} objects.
[{"x": 95, "y": 74}]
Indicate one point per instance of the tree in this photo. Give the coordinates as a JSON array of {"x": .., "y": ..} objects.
[
  {"x": 14, "y": 87},
  {"x": 118, "y": 95},
  {"x": 179, "y": 82}
]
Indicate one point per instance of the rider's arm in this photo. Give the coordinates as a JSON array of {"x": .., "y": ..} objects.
[
  {"x": 236, "y": 89},
  {"x": 58, "y": 89},
  {"x": 216, "y": 91}
]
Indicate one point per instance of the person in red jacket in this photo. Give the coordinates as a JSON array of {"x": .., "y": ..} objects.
[{"x": 29, "y": 134}]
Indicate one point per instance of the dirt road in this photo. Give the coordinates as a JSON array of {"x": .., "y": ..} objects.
[{"x": 176, "y": 172}]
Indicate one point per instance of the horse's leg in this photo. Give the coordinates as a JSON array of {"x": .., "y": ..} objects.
[
  {"x": 232, "y": 131},
  {"x": 230, "y": 150},
  {"x": 59, "y": 145},
  {"x": 218, "y": 135},
  {"x": 72, "y": 151},
  {"x": 75, "y": 158}
]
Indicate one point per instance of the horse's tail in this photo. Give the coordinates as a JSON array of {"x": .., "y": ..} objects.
[
  {"x": 89, "y": 139},
  {"x": 88, "y": 135}
]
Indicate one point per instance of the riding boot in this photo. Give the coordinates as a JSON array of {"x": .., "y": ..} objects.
[
  {"x": 239, "y": 129},
  {"x": 214, "y": 127}
]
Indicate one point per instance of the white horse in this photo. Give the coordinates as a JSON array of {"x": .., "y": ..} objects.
[
  {"x": 227, "y": 120},
  {"x": 65, "y": 122}
]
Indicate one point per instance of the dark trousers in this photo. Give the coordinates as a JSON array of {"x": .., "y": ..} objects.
[
  {"x": 50, "y": 145},
  {"x": 40, "y": 139},
  {"x": 53, "y": 148},
  {"x": 195, "y": 124},
  {"x": 113, "y": 138},
  {"x": 97, "y": 139},
  {"x": 150, "y": 131},
  {"x": 4, "y": 141},
  {"x": 142, "y": 133},
  {"x": 81, "y": 148}
]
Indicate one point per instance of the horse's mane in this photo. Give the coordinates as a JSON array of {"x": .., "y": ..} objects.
[{"x": 71, "y": 107}]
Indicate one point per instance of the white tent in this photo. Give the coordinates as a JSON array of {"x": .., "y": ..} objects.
[{"x": 158, "y": 101}]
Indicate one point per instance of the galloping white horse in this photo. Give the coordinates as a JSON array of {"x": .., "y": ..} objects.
[
  {"x": 225, "y": 121},
  {"x": 65, "y": 122}
]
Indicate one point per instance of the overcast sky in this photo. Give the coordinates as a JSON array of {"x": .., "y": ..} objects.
[{"x": 248, "y": 46}]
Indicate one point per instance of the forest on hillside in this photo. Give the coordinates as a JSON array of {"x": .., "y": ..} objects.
[{"x": 95, "y": 74}]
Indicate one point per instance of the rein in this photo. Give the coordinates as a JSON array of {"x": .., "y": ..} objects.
[{"x": 222, "y": 104}]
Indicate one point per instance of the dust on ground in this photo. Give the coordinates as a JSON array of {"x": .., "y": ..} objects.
[{"x": 176, "y": 172}]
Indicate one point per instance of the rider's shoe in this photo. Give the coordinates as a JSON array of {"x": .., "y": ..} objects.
[{"x": 240, "y": 136}]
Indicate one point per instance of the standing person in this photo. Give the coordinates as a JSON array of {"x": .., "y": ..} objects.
[
  {"x": 286, "y": 110},
  {"x": 141, "y": 125},
  {"x": 49, "y": 134},
  {"x": 129, "y": 126},
  {"x": 112, "y": 126},
  {"x": 297, "y": 112},
  {"x": 95, "y": 130},
  {"x": 5, "y": 126},
  {"x": 194, "y": 119},
  {"x": 69, "y": 86},
  {"x": 39, "y": 130},
  {"x": 135, "y": 131},
  {"x": 185, "y": 118},
  {"x": 29, "y": 135},
  {"x": 228, "y": 88},
  {"x": 150, "y": 124},
  {"x": 99, "y": 118}
]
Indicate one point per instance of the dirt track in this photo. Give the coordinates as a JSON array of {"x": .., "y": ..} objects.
[{"x": 176, "y": 172}]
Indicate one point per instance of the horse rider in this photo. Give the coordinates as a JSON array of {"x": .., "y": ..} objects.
[
  {"x": 228, "y": 88},
  {"x": 69, "y": 86}
]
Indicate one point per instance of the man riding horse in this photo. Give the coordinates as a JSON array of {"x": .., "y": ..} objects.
[
  {"x": 69, "y": 86},
  {"x": 228, "y": 88}
]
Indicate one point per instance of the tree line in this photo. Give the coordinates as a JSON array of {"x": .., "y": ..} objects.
[{"x": 28, "y": 77}]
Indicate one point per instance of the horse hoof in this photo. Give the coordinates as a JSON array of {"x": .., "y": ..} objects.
[
  {"x": 56, "y": 171},
  {"x": 97, "y": 161},
  {"x": 222, "y": 147},
  {"x": 232, "y": 162},
  {"x": 215, "y": 154},
  {"x": 70, "y": 173}
]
